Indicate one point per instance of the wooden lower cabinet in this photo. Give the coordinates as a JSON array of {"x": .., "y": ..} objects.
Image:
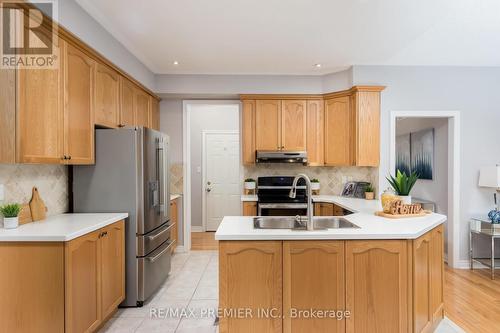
[
  {"x": 250, "y": 208},
  {"x": 250, "y": 281},
  {"x": 383, "y": 285},
  {"x": 174, "y": 216},
  {"x": 57, "y": 287},
  {"x": 327, "y": 209},
  {"x": 313, "y": 278}
]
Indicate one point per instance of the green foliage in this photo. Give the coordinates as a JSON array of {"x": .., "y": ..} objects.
[
  {"x": 249, "y": 180},
  {"x": 403, "y": 184},
  {"x": 314, "y": 180},
  {"x": 369, "y": 188},
  {"x": 10, "y": 210}
]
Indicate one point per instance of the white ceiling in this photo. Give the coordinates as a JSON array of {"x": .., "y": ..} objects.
[{"x": 290, "y": 36}]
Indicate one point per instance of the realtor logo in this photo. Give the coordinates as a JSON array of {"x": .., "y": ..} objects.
[{"x": 29, "y": 38}]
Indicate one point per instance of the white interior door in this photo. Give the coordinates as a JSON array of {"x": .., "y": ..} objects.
[{"x": 221, "y": 177}]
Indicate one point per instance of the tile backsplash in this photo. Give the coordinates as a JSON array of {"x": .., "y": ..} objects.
[
  {"x": 176, "y": 178},
  {"x": 51, "y": 180},
  {"x": 332, "y": 179}
]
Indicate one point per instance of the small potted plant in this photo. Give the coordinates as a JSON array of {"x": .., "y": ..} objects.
[
  {"x": 369, "y": 192},
  {"x": 250, "y": 185},
  {"x": 315, "y": 186},
  {"x": 10, "y": 214},
  {"x": 402, "y": 185}
]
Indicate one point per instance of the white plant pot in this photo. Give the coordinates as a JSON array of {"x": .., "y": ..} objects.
[
  {"x": 406, "y": 199},
  {"x": 315, "y": 186},
  {"x": 249, "y": 185},
  {"x": 10, "y": 222}
]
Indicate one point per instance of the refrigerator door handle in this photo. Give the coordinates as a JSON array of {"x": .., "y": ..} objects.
[{"x": 161, "y": 175}]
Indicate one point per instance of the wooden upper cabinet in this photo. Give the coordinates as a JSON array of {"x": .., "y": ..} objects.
[
  {"x": 293, "y": 125},
  {"x": 313, "y": 278},
  {"x": 83, "y": 287},
  {"x": 338, "y": 131},
  {"x": 315, "y": 133},
  {"x": 127, "y": 108},
  {"x": 377, "y": 286},
  {"x": 107, "y": 96},
  {"x": 142, "y": 107},
  {"x": 39, "y": 114},
  {"x": 367, "y": 127},
  {"x": 268, "y": 125},
  {"x": 79, "y": 106},
  {"x": 248, "y": 131},
  {"x": 154, "y": 115},
  {"x": 250, "y": 276},
  {"x": 112, "y": 267}
]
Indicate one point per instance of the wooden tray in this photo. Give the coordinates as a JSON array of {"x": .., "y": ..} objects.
[{"x": 391, "y": 216}]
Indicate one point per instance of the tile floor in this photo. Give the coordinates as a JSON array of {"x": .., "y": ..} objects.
[{"x": 193, "y": 284}]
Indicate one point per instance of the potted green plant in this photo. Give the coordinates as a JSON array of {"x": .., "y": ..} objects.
[
  {"x": 10, "y": 214},
  {"x": 369, "y": 192},
  {"x": 249, "y": 184},
  {"x": 402, "y": 184},
  {"x": 315, "y": 185}
]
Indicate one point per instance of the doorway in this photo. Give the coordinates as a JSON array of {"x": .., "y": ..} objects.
[
  {"x": 221, "y": 177},
  {"x": 210, "y": 125},
  {"x": 424, "y": 120}
]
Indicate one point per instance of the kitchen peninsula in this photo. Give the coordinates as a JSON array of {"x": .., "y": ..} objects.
[{"x": 385, "y": 276}]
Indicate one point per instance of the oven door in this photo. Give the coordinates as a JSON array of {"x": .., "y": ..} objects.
[{"x": 282, "y": 209}]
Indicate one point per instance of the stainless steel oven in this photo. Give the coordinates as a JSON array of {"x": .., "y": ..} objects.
[
  {"x": 274, "y": 199},
  {"x": 282, "y": 209}
]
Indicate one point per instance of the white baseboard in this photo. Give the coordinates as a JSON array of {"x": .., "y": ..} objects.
[
  {"x": 197, "y": 228},
  {"x": 180, "y": 249},
  {"x": 465, "y": 264}
]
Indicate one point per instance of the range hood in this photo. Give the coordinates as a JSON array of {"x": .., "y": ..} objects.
[{"x": 279, "y": 156}]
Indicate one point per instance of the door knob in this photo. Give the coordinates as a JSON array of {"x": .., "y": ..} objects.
[{"x": 209, "y": 189}]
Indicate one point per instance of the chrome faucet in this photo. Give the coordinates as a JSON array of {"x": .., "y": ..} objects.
[{"x": 293, "y": 193}]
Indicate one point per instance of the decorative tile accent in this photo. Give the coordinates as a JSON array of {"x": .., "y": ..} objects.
[
  {"x": 176, "y": 178},
  {"x": 332, "y": 179},
  {"x": 51, "y": 180}
]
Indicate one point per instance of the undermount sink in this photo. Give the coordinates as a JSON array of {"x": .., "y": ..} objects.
[{"x": 299, "y": 223}]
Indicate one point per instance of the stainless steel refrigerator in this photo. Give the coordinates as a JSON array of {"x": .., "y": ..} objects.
[{"x": 131, "y": 175}]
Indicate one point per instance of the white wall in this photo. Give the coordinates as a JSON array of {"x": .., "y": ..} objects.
[
  {"x": 75, "y": 19},
  {"x": 206, "y": 117},
  {"x": 471, "y": 90}
]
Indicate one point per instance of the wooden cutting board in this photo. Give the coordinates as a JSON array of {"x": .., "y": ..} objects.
[
  {"x": 25, "y": 214},
  {"x": 37, "y": 206},
  {"x": 402, "y": 216}
]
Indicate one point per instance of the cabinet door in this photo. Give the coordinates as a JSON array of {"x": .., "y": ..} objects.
[
  {"x": 142, "y": 108},
  {"x": 422, "y": 317},
  {"x": 313, "y": 278},
  {"x": 293, "y": 125},
  {"x": 112, "y": 267},
  {"x": 367, "y": 145},
  {"x": 250, "y": 208},
  {"x": 175, "y": 221},
  {"x": 250, "y": 276},
  {"x": 127, "y": 108},
  {"x": 315, "y": 133},
  {"x": 377, "y": 286},
  {"x": 154, "y": 120},
  {"x": 338, "y": 124},
  {"x": 268, "y": 125},
  {"x": 40, "y": 113},
  {"x": 79, "y": 107},
  {"x": 323, "y": 209},
  {"x": 248, "y": 132},
  {"x": 107, "y": 96},
  {"x": 83, "y": 288},
  {"x": 437, "y": 275}
]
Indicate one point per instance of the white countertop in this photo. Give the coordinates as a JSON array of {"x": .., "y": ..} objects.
[
  {"x": 370, "y": 226},
  {"x": 60, "y": 228},
  {"x": 174, "y": 196},
  {"x": 245, "y": 197}
]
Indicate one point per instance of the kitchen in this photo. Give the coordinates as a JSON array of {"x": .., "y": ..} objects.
[{"x": 168, "y": 187}]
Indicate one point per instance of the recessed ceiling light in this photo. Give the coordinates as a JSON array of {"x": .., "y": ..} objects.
[
  {"x": 317, "y": 65},
  {"x": 176, "y": 63}
]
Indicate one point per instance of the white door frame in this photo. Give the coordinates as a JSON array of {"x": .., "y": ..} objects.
[
  {"x": 204, "y": 170},
  {"x": 186, "y": 158},
  {"x": 453, "y": 176}
]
